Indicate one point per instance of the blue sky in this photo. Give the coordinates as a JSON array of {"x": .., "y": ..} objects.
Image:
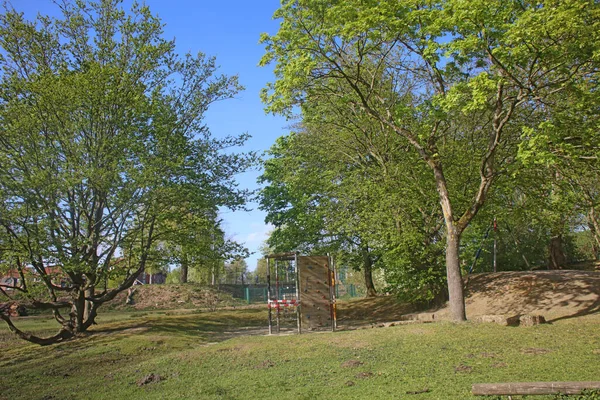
[{"x": 230, "y": 31}]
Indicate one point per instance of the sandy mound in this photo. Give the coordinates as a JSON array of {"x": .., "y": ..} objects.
[
  {"x": 553, "y": 294},
  {"x": 174, "y": 296}
]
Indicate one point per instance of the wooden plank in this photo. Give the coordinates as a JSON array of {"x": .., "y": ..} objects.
[
  {"x": 314, "y": 291},
  {"x": 289, "y": 256},
  {"x": 529, "y": 388}
]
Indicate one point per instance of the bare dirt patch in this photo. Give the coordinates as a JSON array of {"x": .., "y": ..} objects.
[
  {"x": 265, "y": 364},
  {"x": 534, "y": 351},
  {"x": 152, "y": 378},
  {"x": 555, "y": 295},
  {"x": 174, "y": 296},
  {"x": 424, "y": 390},
  {"x": 352, "y": 364},
  {"x": 463, "y": 369}
]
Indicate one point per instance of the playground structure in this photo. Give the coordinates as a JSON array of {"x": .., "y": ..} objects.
[{"x": 303, "y": 291}]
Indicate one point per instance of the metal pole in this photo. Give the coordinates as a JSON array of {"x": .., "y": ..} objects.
[
  {"x": 329, "y": 283},
  {"x": 495, "y": 241},
  {"x": 495, "y": 249},
  {"x": 298, "y": 310},
  {"x": 269, "y": 297},
  {"x": 277, "y": 293},
  {"x": 333, "y": 299}
]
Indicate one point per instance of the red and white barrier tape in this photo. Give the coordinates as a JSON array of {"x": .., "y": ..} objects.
[{"x": 282, "y": 303}]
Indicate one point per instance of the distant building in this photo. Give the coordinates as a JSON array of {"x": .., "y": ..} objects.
[
  {"x": 151, "y": 279},
  {"x": 11, "y": 280}
]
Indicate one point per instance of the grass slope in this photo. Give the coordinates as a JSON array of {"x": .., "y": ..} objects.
[{"x": 225, "y": 355}]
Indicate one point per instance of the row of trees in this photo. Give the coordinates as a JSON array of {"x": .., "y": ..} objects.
[
  {"x": 412, "y": 115},
  {"x": 219, "y": 271},
  {"x": 106, "y": 166}
]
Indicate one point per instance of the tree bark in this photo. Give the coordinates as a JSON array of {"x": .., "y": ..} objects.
[
  {"x": 532, "y": 388},
  {"x": 456, "y": 298},
  {"x": 595, "y": 230},
  {"x": 62, "y": 335},
  {"x": 368, "y": 272},
  {"x": 89, "y": 293},
  {"x": 184, "y": 270},
  {"x": 454, "y": 276},
  {"x": 557, "y": 260}
]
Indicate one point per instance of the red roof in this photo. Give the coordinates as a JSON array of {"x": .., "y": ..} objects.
[
  {"x": 53, "y": 270},
  {"x": 12, "y": 273}
]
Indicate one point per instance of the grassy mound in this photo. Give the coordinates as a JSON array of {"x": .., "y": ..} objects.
[{"x": 174, "y": 296}]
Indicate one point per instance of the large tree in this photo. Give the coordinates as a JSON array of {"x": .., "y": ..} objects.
[
  {"x": 449, "y": 78},
  {"x": 103, "y": 154},
  {"x": 304, "y": 192}
]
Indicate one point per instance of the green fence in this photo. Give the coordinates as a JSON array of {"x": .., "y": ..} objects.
[{"x": 254, "y": 294}]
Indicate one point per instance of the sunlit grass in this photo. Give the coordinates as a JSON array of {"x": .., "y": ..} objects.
[{"x": 203, "y": 356}]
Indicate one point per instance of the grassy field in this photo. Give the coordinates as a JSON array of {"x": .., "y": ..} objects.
[{"x": 226, "y": 355}]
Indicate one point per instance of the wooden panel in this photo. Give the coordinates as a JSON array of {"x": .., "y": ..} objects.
[
  {"x": 314, "y": 291},
  {"x": 532, "y": 388}
]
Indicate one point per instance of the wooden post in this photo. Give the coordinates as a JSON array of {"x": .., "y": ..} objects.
[
  {"x": 495, "y": 250},
  {"x": 495, "y": 242},
  {"x": 277, "y": 294},
  {"x": 532, "y": 388},
  {"x": 269, "y": 296},
  {"x": 332, "y": 301},
  {"x": 298, "y": 309}
]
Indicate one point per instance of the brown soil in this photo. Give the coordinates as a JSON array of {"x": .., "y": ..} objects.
[
  {"x": 172, "y": 296},
  {"x": 554, "y": 294},
  {"x": 352, "y": 364}
]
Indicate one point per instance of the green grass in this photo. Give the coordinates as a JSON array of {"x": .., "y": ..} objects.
[{"x": 201, "y": 356}]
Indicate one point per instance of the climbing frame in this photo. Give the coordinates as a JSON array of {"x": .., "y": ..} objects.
[
  {"x": 309, "y": 294},
  {"x": 315, "y": 292}
]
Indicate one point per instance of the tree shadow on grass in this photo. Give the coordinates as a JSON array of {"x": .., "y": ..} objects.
[
  {"x": 207, "y": 326},
  {"x": 372, "y": 310}
]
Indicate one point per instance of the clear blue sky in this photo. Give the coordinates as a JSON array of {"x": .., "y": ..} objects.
[{"x": 230, "y": 31}]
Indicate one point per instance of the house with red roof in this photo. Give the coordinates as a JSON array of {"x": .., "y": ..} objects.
[{"x": 10, "y": 280}]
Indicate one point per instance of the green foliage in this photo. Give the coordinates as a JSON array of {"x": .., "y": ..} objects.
[
  {"x": 452, "y": 97},
  {"x": 415, "y": 270},
  {"x": 585, "y": 395},
  {"x": 104, "y": 153}
]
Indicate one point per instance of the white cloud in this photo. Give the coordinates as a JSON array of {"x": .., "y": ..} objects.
[{"x": 258, "y": 236}]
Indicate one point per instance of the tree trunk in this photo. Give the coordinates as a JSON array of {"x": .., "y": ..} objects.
[
  {"x": 368, "y": 272},
  {"x": 88, "y": 304},
  {"x": 456, "y": 297},
  {"x": 184, "y": 270},
  {"x": 78, "y": 310},
  {"x": 455, "y": 282},
  {"x": 557, "y": 260},
  {"x": 595, "y": 230},
  {"x": 82, "y": 313}
]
